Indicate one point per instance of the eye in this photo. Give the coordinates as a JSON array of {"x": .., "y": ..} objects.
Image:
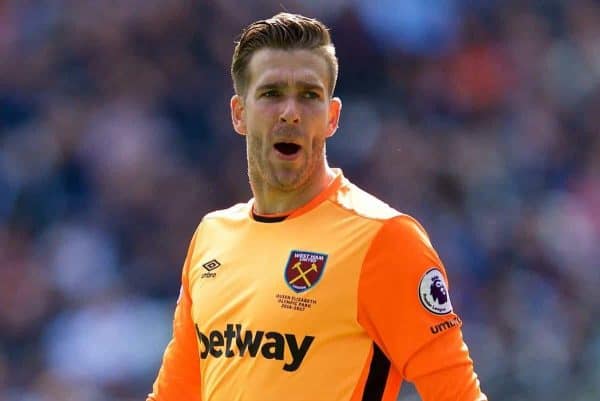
[
  {"x": 310, "y": 95},
  {"x": 270, "y": 93}
]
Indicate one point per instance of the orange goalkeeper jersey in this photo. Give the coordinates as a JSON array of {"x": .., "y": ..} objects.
[{"x": 341, "y": 301}]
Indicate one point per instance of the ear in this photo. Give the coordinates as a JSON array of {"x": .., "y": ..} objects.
[
  {"x": 238, "y": 117},
  {"x": 335, "y": 109}
]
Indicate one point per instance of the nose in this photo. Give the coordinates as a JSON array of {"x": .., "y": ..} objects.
[{"x": 290, "y": 113}]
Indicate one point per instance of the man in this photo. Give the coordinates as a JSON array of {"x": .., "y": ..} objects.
[{"x": 314, "y": 289}]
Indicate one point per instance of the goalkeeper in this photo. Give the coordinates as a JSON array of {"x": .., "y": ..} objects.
[{"x": 313, "y": 289}]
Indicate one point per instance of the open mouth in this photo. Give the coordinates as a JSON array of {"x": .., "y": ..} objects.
[{"x": 287, "y": 148}]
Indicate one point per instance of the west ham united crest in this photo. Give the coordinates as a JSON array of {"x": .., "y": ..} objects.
[
  {"x": 433, "y": 292},
  {"x": 304, "y": 269}
]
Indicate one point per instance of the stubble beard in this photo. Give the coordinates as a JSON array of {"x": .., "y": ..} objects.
[{"x": 264, "y": 173}]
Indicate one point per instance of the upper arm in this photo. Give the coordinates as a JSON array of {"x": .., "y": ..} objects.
[{"x": 404, "y": 305}]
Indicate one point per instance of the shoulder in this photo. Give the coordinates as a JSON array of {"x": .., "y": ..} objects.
[
  {"x": 218, "y": 222},
  {"x": 355, "y": 200},
  {"x": 402, "y": 245},
  {"x": 238, "y": 211},
  {"x": 396, "y": 227},
  {"x": 220, "y": 219},
  {"x": 405, "y": 229}
]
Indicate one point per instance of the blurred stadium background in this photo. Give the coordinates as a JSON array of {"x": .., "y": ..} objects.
[{"x": 479, "y": 117}]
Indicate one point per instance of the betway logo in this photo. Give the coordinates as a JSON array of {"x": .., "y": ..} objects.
[{"x": 272, "y": 345}]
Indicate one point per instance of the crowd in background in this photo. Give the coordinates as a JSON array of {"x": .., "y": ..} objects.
[{"x": 481, "y": 118}]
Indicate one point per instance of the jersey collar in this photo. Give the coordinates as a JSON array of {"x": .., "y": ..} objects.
[{"x": 333, "y": 186}]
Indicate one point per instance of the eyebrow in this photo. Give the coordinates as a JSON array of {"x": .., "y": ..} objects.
[{"x": 282, "y": 84}]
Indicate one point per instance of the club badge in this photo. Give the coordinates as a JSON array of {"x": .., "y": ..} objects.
[{"x": 304, "y": 270}]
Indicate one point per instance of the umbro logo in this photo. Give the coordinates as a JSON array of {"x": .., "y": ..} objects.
[{"x": 210, "y": 266}]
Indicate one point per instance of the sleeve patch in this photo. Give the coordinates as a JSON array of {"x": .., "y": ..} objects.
[{"x": 433, "y": 292}]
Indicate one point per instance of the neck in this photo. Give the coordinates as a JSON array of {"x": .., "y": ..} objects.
[{"x": 270, "y": 200}]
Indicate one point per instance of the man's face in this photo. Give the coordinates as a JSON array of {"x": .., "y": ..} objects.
[{"x": 286, "y": 115}]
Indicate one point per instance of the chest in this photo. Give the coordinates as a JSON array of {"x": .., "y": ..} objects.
[{"x": 278, "y": 278}]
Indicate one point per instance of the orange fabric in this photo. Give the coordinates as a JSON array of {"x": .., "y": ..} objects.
[
  {"x": 360, "y": 387},
  {"x": 392, "y": 386},
  {"x": 453, "y": 378},
  {"x": 308, "y": 344},
  {"x": 391, "y": 312},
  {"x": 179, "y": 374},
  {"x": 242, "y": 331}
]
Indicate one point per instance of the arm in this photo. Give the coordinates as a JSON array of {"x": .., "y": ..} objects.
[
  {"x": 179, "y": 375},
  {"x": 404, "y": 306}
]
